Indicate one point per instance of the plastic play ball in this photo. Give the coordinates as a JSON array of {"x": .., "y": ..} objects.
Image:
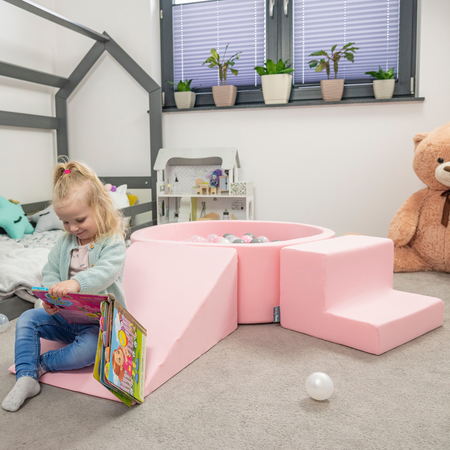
[
  {"x": 222, "y": 241},
  {"x": 227, "y": 234},
  {"x": 196, "y": 238},
  {"x": 4, "y": 323},
  {"x": 246, "y": 238},
  {"x": 211, "y": 237},
  {"x": 251, "y": 235},
  {"x": 237, "y": 240},
  {"x": 256, "y": 241},
  {"x": 276, "y": 240},
  {"x": 264, "y": 239},
  {"x": 319, "y": 386},
  {"x": 230, "y": 237}
]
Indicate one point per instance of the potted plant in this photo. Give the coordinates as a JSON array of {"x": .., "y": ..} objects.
[
  {"x": 224, "y": 95},
  {"x": 332, "y": 90},
  {"x": 184, "y": 96},
  {"x": 276, "y": 81},
  {"x": 383, "y": 84}
]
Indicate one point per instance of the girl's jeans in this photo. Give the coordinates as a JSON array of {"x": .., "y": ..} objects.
[{"x": 35, "y": 324}]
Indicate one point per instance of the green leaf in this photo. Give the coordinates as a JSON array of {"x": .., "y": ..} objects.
[
  {"x": 261, "y": 71},
  {"x": 288, "y": 70},
  {"x": 234, "y": 71},
  {"x": 372, "y": 74},
  {"x": 313, "y": 63},
  {"x": 271, "y": 67},
  {"x": 171, "y": 82},
  {"x": 280, "y": 66},
  {"x": 215, "y": 54},
  {"x": 349, "y": 56},
  {"x": 319, "y": 53},
  {"x": 182, "y": 87},
  {"x": 320, "y": 67},
  {"x": 333, "y": 48}
]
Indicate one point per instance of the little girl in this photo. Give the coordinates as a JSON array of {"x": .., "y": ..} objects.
[{"x": 89, "y": 258}]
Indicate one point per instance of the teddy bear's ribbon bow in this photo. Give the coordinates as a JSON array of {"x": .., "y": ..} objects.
[{"x": 446, "y": 210}]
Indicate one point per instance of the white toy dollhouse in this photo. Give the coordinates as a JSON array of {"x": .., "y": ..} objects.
[{"x": 184, "y": 190}]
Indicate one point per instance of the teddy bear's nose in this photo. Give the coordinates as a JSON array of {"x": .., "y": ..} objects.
[{"x": 447, "y": 168}]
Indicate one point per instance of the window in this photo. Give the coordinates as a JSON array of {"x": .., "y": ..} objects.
[{"x": 384, "y": 31}]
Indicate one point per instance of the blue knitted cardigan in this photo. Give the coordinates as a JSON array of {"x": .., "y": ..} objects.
[{"x": 106, "y": 266}]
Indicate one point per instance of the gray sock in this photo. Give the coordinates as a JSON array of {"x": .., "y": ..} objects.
[{"x": 24, "y": 388}]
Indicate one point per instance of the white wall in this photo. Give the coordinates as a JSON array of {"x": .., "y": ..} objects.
[
  {"x": 348, "y": 168},
  {"x": 26, "y": 155}
]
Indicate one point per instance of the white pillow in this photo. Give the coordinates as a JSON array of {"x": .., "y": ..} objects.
[
  {"x": 120, "y": 200},
  {"x": 46, "y": 220}
]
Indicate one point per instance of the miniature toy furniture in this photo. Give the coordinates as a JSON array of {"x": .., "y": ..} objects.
[
  {"x": 259, "y": 264},
  {"x": 341, "y": 290},
  {"x": 181, "y": 323}
]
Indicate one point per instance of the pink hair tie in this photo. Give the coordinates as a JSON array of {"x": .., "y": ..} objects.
[{"x": 66, "y": 171}]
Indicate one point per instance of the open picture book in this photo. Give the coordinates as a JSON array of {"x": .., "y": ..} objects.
[{"x": 120, "y": 359}]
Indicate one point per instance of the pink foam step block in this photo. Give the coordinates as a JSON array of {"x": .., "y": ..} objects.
[
  {"x": 186, "y": 298},
  {"x": 341, "y": 290}
]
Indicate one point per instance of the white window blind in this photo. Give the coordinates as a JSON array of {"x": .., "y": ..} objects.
[
  {"x": 373, "y": 25},
  {"x": 199, "y": 26}
]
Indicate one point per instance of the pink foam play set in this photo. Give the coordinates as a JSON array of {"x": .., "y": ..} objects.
[{"x": 190, "y": 295}]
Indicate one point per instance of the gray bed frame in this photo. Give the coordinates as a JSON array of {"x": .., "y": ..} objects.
[
  {"x": 66, "y": 87},
  {"x": 59, "y": 123}
]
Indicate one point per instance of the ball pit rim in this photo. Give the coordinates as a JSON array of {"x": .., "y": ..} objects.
[{"x": 325, "y": 233}]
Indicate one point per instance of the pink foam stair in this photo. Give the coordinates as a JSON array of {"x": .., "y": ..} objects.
[
  {"x": 186, "y": 298},
  {"x": 341, "y": 290}
]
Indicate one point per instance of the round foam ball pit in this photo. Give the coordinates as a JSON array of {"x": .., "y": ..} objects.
[{"x": 258, "y": 264}]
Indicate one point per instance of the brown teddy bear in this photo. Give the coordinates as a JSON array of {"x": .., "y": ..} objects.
[{"x": 420, "y": 228}]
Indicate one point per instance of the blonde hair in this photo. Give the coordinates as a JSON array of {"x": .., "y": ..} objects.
[{"x": 71, "y": 177}]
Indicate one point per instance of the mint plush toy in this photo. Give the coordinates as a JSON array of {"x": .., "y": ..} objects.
[{"x": 13, "y": 219}]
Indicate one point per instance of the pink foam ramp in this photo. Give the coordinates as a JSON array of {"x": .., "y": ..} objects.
[
  {"x": 341, "y": 290},
  {"x": 186, "y": 298}
]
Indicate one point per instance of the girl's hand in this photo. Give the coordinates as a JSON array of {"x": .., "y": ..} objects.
[
  {"x": 50, "y": 309},
  {"x": 63, "y": 288}
]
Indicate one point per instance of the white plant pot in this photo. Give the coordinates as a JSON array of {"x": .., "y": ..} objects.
[
  {"x": 224, "y": 95},
  {"x": 276, "y": 88},
  {"x": 185, "y": 100},
  {"x": 332, "y": 90},
  {"x": 383, "y": 88}
]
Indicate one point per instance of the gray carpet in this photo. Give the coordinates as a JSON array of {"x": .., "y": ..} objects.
[{"x": 248, "y": 393}]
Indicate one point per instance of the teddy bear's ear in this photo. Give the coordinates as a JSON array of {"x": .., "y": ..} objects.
[{"x": 418, "y": 138}]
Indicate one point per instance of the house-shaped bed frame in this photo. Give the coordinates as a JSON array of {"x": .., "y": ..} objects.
[{"x": 67, "y": 87}]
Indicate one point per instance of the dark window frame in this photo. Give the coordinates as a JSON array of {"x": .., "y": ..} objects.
[{"x": 279, "y": 29}]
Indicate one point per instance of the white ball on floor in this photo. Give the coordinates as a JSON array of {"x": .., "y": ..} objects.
[
  {"x": 319, "y": 386},
  {"x": 4, "y": 323}
]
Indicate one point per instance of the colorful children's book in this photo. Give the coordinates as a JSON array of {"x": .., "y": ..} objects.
[
  {"x": 75, "y": 308},
  {"x": 120, "y": 359}
]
